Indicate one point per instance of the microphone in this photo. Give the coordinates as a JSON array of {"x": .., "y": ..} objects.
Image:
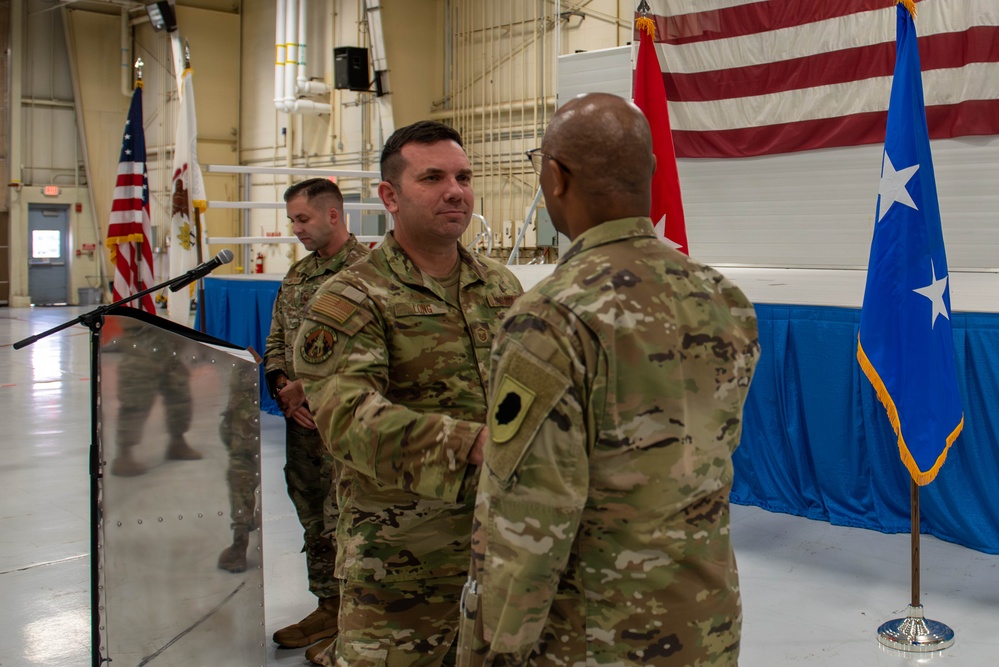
[{"x": 202, "y": 270}]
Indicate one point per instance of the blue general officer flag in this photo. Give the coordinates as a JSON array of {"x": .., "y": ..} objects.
[{"x": 905, "y": 345}]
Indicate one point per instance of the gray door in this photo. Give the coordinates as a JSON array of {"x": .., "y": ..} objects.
[{"x": 48, "y": 252}]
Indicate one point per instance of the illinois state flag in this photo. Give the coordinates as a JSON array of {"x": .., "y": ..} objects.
[
  {"x": 905, "y": 345},
  {"x": 188, "y": 193},
  {"x": 650, "y": 96}
]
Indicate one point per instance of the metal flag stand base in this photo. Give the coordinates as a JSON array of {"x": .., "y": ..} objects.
[{"x": 915, "y": 634}]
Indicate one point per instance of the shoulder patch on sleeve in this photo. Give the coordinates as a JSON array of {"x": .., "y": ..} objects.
[
  {"x": 334, "y": 306},
  {"x": 318, "y": 344},
  {"x": 527, "y": 391},
  {"x": 513, "y": 401}
]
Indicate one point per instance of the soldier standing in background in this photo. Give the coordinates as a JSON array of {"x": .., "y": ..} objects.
[
  {"x": 395, "y": 357},
  {"x": 601, "y": 532},
  {"x": 315, "y": 208},
  {"x": 239, "y": 430},
  {"x": 152, "y": 365}
]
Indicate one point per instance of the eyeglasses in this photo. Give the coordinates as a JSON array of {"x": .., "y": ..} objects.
[{"x": 537, "y": 158}]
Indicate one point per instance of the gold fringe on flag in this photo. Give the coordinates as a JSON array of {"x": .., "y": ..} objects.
[
  {"x": 920, "y": 477},
  {"x": 908, "y": 4},
  {"x": 113, "y": 243},
  {"x": 648, "y": 26}
]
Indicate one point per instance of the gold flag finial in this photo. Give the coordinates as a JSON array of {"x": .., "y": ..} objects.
[
  {"x": 138, "y": 72},
  {"x": 643, "y": 22}
]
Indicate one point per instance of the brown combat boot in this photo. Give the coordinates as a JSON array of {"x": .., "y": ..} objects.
[
  {"x": 179, "y": 450},
  {"x": 322, "y": 653},
  {"x": 233, "y": 557},
  {"x": 320, "y": 624},
  {"x": 126, "y": 466}
]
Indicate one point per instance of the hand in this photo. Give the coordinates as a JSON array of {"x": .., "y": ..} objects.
[
  {"x": 303, "y": 417},
  {"x": 476, "y": 454},
  {"x": 290, "y": 397}
]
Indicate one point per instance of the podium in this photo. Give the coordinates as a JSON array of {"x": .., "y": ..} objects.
[{"x": 178, "y": 433}]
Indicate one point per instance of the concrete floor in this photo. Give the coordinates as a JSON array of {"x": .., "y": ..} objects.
[{"x": 813, "y": 594}]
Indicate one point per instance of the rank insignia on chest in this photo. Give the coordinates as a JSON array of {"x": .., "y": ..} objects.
[
  {"x": 513, "y": 400},
  {"x": 318, "y": 345}
]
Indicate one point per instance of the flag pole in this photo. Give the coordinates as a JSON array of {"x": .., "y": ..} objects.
[
  {"x": 914, "y": 633},
  {"x": 914, "y": 532},
  {"x": 919, "y": 395},
  {"x": 138, "y": 259},
  {"x": 201, "y": 281}
]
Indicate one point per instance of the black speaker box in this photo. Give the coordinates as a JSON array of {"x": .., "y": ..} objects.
[{"x": 350, "y": 68}]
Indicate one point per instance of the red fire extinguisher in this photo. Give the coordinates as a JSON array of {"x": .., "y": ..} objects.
[{"x": 258, "y": 266}]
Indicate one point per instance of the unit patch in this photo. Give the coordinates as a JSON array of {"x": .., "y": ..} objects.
[
  {"x": 513, "y": 400},
  {"x": 318, "y": 344}
]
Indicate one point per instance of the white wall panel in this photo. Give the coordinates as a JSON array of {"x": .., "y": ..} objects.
[{"x": 603, "y": 71}]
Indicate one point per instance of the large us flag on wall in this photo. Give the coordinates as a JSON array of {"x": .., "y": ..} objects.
[{"x": 751, "y": 77}]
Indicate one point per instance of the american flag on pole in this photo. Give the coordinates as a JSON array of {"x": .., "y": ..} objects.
[
  {"x": 188, "y": 193},
  {"x": 650, "y": 96},
  {"x": 906, "y": 345},
  {"x": 129, "y": 230},
  {"x": 752, "y": 77}
]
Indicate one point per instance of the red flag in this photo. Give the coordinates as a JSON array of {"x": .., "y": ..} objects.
[
  {"x": 650, "y": 96},
  {"x": 129, "y": 229}
]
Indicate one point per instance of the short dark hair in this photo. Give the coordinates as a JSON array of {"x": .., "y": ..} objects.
[
  {"x": 314, "y": 188},
  {"x": 420, "y": 132}
]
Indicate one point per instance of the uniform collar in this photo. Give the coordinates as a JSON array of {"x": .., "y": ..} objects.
[
  {"x": 407, "y": 272},
  {"x": 336, "y": 262},
  {"x": 609, "y": 232}
]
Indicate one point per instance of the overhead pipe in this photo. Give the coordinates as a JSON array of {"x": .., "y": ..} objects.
[
  {"x": 303, "y": 86},
  {"x": 290, "y": 81},
  {"x": 291, "y": 52},
  {"x": 279, "y": 56}
]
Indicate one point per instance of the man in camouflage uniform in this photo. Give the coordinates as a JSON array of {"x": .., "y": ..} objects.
[
  {"x": 239, "y": 430},
  {"x": 395, "y": 356},
  {"x": 152, "y": 365},
  {"x": 315, "y": 208},
  {"x": 601, "y": 532}
]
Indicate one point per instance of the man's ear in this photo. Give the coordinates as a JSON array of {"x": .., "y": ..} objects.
[
  {"x": 389, "y": 197},
  {"x": 334, "y": 216},
  {"x": 557, "y": 175}
]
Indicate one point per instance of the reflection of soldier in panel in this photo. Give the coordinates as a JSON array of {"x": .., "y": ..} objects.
[
  {"x": 315, "y": 209},
  {"x": 400, "y": 398},
  {"x": 240, "y": 433},
  {"x": 601, "y": 532},
  {"x": 151, "y": 366}
]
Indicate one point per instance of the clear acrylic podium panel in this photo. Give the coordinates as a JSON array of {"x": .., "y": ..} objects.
[{"x": 167, "y": 517}]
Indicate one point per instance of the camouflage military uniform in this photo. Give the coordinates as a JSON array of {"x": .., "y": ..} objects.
[
  {"x": 396, "y": 375},
  {"x": 601, "y": 531},
  {"x": 239, "y": 430},
  {"x": 308, "y": 469},
  {"x": 151, "y": 366}
]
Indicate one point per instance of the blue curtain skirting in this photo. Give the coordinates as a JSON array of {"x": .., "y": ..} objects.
[{"x": 816, "y": 441}]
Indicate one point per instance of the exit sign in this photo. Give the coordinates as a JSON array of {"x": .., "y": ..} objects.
[{"x": 51, "y": 191}]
